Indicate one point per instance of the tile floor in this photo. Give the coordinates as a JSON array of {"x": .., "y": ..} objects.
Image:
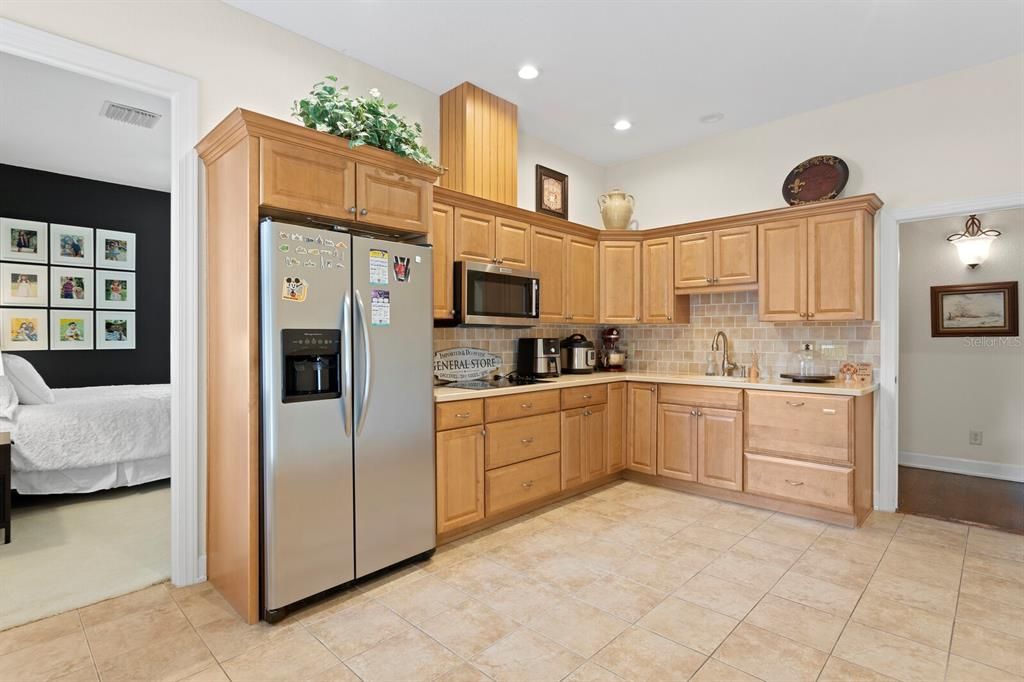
[{"x": 629, "y": 582}]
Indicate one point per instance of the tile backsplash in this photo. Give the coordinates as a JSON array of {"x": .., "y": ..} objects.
[{"x": 683, "y": 349}]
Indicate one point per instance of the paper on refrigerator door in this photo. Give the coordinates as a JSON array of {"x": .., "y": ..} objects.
[{"x": 380, "y": 308}]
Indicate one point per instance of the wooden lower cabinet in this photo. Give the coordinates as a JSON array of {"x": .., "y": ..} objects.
[
  {"x": 677, "y": 442},
  {"x": 584, "y": 445},
  {"x": 616, "y": 408},
  {"x": 460, "y": 477},
  {"x": 720, "y": 448},
  {"x": 522, "y": 483},
  {"x": 641, "y": 427}
]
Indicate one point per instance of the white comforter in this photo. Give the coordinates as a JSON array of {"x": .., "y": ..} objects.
[{"x": 92, "y": 426}]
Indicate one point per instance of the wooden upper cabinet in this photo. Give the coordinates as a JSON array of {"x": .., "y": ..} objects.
[
  {"x": 660, "y": 304},
  {"x": 720, "y": 448},
  {"x": 839, "y": 267},
  {"x": 581, "y": 280},
  {"x": 677, "y": 442},
  {"x": 441, "y": 235},
  {"x": 474, "y": 236},
  {"x": 549, "y": 258},
  {"x": 735, "y": 255},
  {"x": 512, "y": 242},
  {"x": 782, "y": 265},
  {"x": 694, "y": 260},
  {"x": 616, "y": 426},
  {"x": 304, "y": 180},
  {"x": 392, "y": 199},
  {"x": 621, "y": 282},
  {"x": 642, "y": 427},
  {"x": 460, "y": 477}
]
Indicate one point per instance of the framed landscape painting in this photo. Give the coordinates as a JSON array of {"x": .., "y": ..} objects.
[{"x": 975, "y": 310}]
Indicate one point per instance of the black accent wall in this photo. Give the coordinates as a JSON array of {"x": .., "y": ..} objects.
[{"x": 63, "y": 199}]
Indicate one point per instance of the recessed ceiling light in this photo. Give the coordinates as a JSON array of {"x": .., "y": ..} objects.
[
  {"x": 713, "y": 117},
  {"x": 528, "y": 72},
  {"x": 622, "y": 124}
]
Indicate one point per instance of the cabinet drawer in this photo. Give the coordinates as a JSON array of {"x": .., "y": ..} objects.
[
  {"x": 822, "y": 485},
  {"x": 520, "y": 405},
  {"x": 457, "y": 414},
  {"x": 518, "y": 484},
  {"x": 800, "y": 425},
  {"x": 701, "y": 396},
  {"x": 584, "y": 396},
  {"x": 516, "y": 440}
]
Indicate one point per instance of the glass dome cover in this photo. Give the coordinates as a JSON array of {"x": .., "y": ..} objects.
[{"x": 807, "y": 364}]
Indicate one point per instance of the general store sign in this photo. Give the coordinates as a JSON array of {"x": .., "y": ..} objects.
[{"x": 464, "y": 364}]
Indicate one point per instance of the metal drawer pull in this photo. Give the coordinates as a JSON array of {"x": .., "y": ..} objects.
[
  {"x": 527, "y": 484},
  {"x": 587, "y": 413},
  {"x": 792, "y": 404},
  {"x": 828, "y": 410},
  {"x": 527, "y": 441},
  {"x": 527, "y": 406},
  {"x": 587, "y": 396},
  {"x": 462, "y": 415},
  {"x": 794, "y": 483}
]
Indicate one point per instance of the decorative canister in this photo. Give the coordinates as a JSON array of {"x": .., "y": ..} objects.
[{"x": 617, "y": 209}]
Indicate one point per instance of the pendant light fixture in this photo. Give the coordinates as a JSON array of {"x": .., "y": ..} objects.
[{"x": 973, "y": 243}]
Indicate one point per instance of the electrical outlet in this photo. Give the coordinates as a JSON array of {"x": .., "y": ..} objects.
[
  {"x": 833, "y": 351},
  {"x": 975, "y": 437}
]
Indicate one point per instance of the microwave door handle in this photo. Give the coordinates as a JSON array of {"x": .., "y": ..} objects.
[
  {"x": 367, "y": 364},
  {"x": 346, "y": 362},
  {"x": 536, "y": 288}
]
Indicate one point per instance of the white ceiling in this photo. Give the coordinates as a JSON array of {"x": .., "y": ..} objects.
[
  {"x": 50, "y": 120},
  {"x": 660, "y": 64}
]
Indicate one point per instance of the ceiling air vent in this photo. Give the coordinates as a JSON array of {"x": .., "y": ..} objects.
[{"x": 130, "y": 115}]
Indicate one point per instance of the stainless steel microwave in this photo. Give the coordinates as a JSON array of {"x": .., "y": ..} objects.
[{"x": 487, "y": 294}]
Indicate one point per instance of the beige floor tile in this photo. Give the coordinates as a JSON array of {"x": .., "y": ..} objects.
[
  {"x": 880, "y": 520},
  {"x": 87, "y": 673},
  {"x": 336, "y": 673},
  {"x": 202, "y": 603},
  {"x": 714, "y": 670},
  {"x": 876, "y": 538},
  {"x": 640, "y": 655},
  {"x": 48, "y": 658},
  {"x": 818, "y": 594},
  {"x": 633, "y": 535},
  {"x": 409, "y": 655},
  {"x": 563, "y": 572},
  {"x": 592, "y": 672},
  {"x": 996, "y": 544},
  {"x": 111, "y": 638},
  {"x": 736, "y": 518},
  {"x": 296, "y": 656},
  {"x": 845, "y": 549},
  {"x": 940, "y": 533},
  {"x": 838, "y": 670},
  {"x": 827, "y": 566},
  {"x": 683, "y": 553},
  {"x": 168, "y": 659},
  {"x": 603, "y": 556},
  {"x": 213, "y": 673},
  {"x": 464, "y": 672},
  {"x": 448, "y": 554},
  {"x": 518, "y": 555},
  {"x": 780, "y": 556},
  {"x": 422, "y": 599},
  {"x": 770, "y": 657},
  {"x": 692, "y": 626},
  {"x": 662, "y": 520},
  {"x": 329, "y": 606},
  {"x": 525, "y": 656},
  {"x": 579, "y": 627},
  {"x": 988, "y": 646},
  {"x": 1007, "y": 569},
  {"x": 663, "y": 575},
  {"x": 621, "y": 597},
  {"x": 991, "y": 613},
  {"x": 119, "y": 607},
  {"x": 229, "y": 637},
  {"x": 739, "y": 569},
  {"x": 913, "y": 593},
  {"x": 962, "y": 669},
  {"x": 788, "y": 531},
  {"x": 350, "y": 632},
  {"x": 520, "y": 598},
  {"x": 797, "y": 622},
  {"x": 934, "y": 566},
  {"x": 393, "y": 580},
  {"x": 991, "y": 587},
  {"x": 890, "y": 655},
  {"x": 39, "y": 632},
  {"x": 924, "y": 627},
  {"x": 917, "y": 551},
  {"x": 706, "y": 536},
  {"x": 476, "y": 576},
  {"x": 469, "y": 628},
  {"x": 728, "y": 598}
]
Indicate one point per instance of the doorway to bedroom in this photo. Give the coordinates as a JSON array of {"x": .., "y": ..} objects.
[{"x": 85, "y": 337}]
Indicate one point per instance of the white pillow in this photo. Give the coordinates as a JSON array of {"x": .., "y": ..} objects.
[
  {"x": 31, "y": 388},
  {"x": 8, "y": 398}
]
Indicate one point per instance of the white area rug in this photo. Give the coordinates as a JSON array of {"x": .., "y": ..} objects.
[{"x": 74, "y": 551}]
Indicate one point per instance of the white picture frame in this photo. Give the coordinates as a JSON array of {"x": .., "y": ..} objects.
[
  {"x": 15, "y": 337},
  {"x": 115, "y": 249},
  {"x": 109, "y": 322},
  {"x": 23, "y": 284},
  {"x": 78, "y": 282},
  {"x": 71, "y": 245},
  {"x": 36, "y": 245},
  {"x": 73, "y": 329},
  {"x": 115, "y": 290}
]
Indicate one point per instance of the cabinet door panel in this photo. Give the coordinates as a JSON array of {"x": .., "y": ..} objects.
[
  {"x": 573, "y": 448},
  {"x": 736, "y": 255},
  {"x": 460, "y": 477},
  {"x": 392, "y": 199},
  {"x": 582, "y": 280},
  {"x": 442, "y": 232},
  {"x": 642, "y": 427},
  {"x": 616, "y": 447},
  {"x": 658, "y": 290},
  {"x": 677, "y": 442},
  {"x": 620, "y": 282},
  {"x": 782, "y": 268},
  {"x": 474, "y": 236},
  {"x": 305, "y": 180},
  {"x": 512, "y": 243},
  {"x": 549, "y": 256},
  {"x": 720, "y": 448},
  {"x": 838, "y": 247},
  {"x": 595, "y": 437},
  {"x": 694, "y": 260}
]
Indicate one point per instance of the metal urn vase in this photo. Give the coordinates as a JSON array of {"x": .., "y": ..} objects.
[{"x": 617, "y": 210}]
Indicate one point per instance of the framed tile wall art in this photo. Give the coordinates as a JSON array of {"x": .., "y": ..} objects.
[
  {"x": 115, "y": 330},
  {"x": 24, "y": 329},
  {"x": 71, "y": 287},
  {"x": 115, "y": 250},
  {"x": 115, "y": 290},
  {"x": 23, "y": 284},
  {"x": 70, "y": 245},
  {"x": 23, "y": 240},
  {"x": 71, "y": 329}
]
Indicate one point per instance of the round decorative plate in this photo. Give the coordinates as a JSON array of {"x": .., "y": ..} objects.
[{"x": 817, "y": 179}]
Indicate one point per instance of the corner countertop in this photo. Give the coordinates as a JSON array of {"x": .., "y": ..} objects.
[{"x": 443, "y": 395}]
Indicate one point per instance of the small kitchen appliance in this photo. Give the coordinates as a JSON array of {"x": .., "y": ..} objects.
[
  {"x": 613, "y": 357},
  {"x": 806, "y": 366},
  {"x": 578, "y": 355},
  {"x": 537, "y": 358}
]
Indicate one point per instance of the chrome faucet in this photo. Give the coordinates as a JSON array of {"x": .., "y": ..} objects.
[{"x": 727, "y": 365}]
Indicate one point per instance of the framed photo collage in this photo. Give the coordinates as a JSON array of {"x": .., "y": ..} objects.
[{"x": 64, "y": 287}]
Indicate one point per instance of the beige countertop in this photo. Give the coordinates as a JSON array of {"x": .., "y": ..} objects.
[{"x": 443, "y": 395}]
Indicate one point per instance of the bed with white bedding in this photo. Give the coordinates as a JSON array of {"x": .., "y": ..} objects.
[{"x": 91, "y": 439}]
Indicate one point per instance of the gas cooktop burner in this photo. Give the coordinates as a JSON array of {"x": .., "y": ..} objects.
[{"x": 497, "y": 382}]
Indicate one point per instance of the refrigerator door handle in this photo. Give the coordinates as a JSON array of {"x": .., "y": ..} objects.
[
  {"x": 367, "y": 364},
  {"x": 346, "y": 363}
]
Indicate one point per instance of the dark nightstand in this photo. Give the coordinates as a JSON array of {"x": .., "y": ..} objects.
[{"x": 5, "y": 486}]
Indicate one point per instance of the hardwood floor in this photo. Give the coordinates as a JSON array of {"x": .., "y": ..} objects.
[{"x": 955, "y": 497}]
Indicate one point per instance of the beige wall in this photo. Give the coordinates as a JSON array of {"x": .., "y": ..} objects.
[
  {"x": 954, "y": 137},
  {"x": 950, "y": 386},
  {"x": 586, "y": 179}
]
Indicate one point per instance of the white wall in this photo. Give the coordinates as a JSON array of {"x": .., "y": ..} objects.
[
  {"x": 586, "y": 179},
  {"x": 950, "y": 386},
  {"x": 953, "y": 137}
]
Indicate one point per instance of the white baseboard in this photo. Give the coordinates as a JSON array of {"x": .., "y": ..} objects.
[{"x": 957, "y": 465}]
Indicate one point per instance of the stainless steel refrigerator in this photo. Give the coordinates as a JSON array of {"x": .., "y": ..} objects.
[{"x": 347, "y": 442}]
